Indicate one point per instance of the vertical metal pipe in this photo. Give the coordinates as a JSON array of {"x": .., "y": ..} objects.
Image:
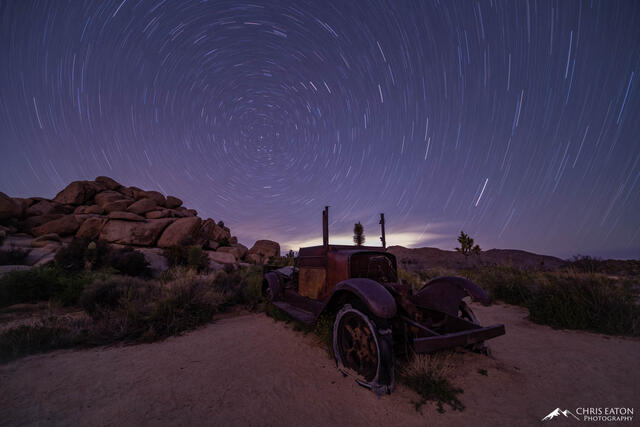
[
  {"x": 325, "y": 226},
  {"x": 383, "y": 238}
]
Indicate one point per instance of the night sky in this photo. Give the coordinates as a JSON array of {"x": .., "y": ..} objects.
[{"x": 516, "y": 121}]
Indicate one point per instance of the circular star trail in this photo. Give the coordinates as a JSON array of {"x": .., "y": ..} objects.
[{"x": 516, "y": 121}]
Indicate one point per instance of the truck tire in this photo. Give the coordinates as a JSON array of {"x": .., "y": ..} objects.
[{"x": 362, "y": 347}]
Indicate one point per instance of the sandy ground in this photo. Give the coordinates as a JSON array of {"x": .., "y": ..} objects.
[{"x": 250, "y": 370}]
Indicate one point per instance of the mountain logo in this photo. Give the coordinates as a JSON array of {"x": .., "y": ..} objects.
[{"x": 556, "y": 412}]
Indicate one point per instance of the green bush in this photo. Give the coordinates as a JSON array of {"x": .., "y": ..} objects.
[
  {"x": 13, "y": 256},
  {"x": 241, "y": 286},
  {"x": 192, "y": 256}
]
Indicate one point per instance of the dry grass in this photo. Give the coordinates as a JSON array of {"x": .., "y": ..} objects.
[
  {"x": 429, "y": 375},
  {"x": 43, "y": 335}
]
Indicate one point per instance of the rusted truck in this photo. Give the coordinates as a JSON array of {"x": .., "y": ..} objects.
[{"x": 375, "y": 314}]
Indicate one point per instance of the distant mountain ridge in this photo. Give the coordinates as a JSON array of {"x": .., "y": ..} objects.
[{"x": 426, "y": 258}]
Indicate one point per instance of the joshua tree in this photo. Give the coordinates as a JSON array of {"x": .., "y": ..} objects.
[
  {"x": 358, "y": 234},
  {"x": 466, "y": 245},
  {"x": 290, "y": 257}
]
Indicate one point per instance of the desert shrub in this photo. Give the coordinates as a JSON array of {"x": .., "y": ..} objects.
[
  {"x": 591, "y": 302},
  {"x": 224, "y": 242},
  {"x": 241, "y": 286},
  {"x": 196, "y": 258},
  {"x": 128, "y": 261},
  {"x": 282, "y": 261},
  {"x": 125, "y": 308},
  {"x": 37, "y": 284},
  {"x": 46, "y": 282},
  {"x": 511, "y": 285},
  {"x": 252, "y": 284},
  {"x": 81, "y": 254},
  {"x": 565, "y": 299},
  {"x": 184, "y": 305},
  {"x": 128, "y": 308},
  {"x": 84, "y": 254},
  {"x": 428, "y": 375},
  {"x": 177, "y": 272},
  {"x": 586, "y": 264},
  {"x": 105, "y": 295},
  {"x": 45, "y": 335},
  {"x": 13, "y": 256},
  {"x": 176, "y": 255},
  {"x": 183, "y": 255},
  {"x": 410, "y": 278},
  {"x": 323, "y": 330}
]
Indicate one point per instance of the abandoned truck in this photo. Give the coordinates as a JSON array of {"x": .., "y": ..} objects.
[{"x": 375, "y": 314}]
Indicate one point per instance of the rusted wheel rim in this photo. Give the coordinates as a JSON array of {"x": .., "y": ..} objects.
[{"x": 357, "y": 346}]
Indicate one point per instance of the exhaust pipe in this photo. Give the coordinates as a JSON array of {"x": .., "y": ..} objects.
[
  {"x": 325, "y": 226},
  {"x": 382, "y": 238}
]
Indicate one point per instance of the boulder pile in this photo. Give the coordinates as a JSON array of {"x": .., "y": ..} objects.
[{"x": 106, "y": 210}]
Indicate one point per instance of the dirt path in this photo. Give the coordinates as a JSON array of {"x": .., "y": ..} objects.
[{"x": 250, "y": 370}]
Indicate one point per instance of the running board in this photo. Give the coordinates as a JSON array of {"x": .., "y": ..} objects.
[{"x": 303, "y": 316}]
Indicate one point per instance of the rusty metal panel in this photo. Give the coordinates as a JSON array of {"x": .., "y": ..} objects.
[
  {"x": 312, "y": 281},
  {"x": 313, "y": 261},
  {"x": 338, "y": 270},
  {"x": 445, "y": 293},
  {"x": 431, "y": 344}
]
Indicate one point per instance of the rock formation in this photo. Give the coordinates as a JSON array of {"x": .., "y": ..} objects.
[{"x": 106, "y": 210}]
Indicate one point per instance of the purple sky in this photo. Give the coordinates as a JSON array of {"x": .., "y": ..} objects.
[{"x": 516, "y": 121}]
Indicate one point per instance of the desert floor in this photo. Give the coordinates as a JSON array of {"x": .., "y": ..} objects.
[{"x": 251, "y": 370}]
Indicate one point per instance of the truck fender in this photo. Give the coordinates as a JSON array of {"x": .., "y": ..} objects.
[
  {"x": 377, "y": 299},
  {"x": 445, "y": 293},
  {"x": 271, "y": 285}
]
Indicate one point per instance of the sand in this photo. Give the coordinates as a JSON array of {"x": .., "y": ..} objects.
[{"x": 251, "y": 370}]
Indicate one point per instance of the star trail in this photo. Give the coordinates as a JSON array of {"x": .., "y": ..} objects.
[{"x": 515, "y": 121}]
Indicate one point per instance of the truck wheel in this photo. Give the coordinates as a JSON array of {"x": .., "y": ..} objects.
[{"x": 362, "y": 347}]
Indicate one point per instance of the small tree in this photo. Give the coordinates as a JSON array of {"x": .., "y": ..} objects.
[
  {"x": 358, "y": 234},
  {"x": 466, "y": 245}
]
